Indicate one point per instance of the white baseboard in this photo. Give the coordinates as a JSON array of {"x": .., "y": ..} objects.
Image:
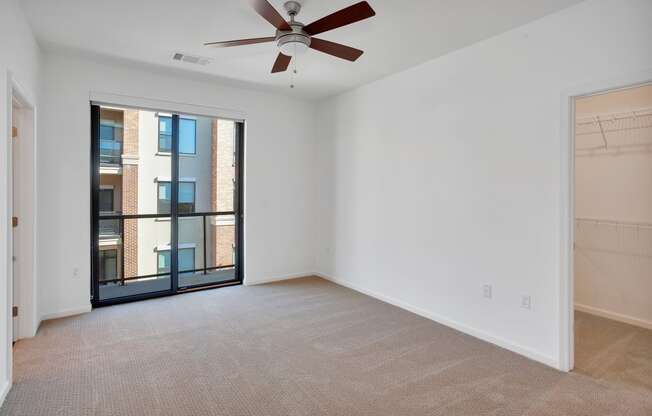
[
  {"x": 67, "y": 312},
  {"x": 4, "y": 390},
  {"x": 613, "y": 316},
  {"x": 501, "y": 342},
  {"x": 291, "y": 276},
  {"x": 38, "y": 324}
]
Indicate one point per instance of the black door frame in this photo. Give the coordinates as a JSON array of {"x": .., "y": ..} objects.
[{"x": 238, "y": 213}]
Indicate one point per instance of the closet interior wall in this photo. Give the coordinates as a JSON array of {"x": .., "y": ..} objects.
[{"x": 613, "y": 205}]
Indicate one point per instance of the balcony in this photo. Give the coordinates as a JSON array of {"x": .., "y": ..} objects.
[
  {"x": 109, "y": 229},
  {"x": 110, "y": 152}
]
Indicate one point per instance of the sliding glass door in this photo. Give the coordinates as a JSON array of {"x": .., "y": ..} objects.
[{"x": 166, "y": 203}]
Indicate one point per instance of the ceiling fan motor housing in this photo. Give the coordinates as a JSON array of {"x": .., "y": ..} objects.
[{"x": 293, "y": 42}]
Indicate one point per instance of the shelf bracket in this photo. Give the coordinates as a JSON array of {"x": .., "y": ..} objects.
[{"x": 604, "y": 136}]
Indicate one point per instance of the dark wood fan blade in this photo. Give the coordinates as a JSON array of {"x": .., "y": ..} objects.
[
  {"x": 269, "y": 13},
  {"x": 336, "y": 49},
  {"x": 239, "y": 42},
  {"x": 281, "y": 64},
  {"x": 346, "y": 16}
]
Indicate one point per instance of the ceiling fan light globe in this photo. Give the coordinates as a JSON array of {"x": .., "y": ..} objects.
[
  {"x": 293, "y": 44},
  {"x": 293, "y": 48}
]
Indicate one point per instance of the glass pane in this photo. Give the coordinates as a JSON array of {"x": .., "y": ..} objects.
[
  {"x": 109, "y": 229},
  {"x": 108, "y": 264},
  {"x": 135, "y": 179},
  {"x": 106, "y": 132},
  {"x": 165, "y": 134},
  {"x": 130, "y": 163},
  {"x": 111, "y": 134},
  {"x": 164, "y": 197},
  {"x": 219, "y": 251},
  {"x": 187, "y": 135},
  {"x": 221, "y": 248},
  {"x": 186, "y": 259},
  {"x": 211, "y": 168},
  {"x": 106, "y": 200},
  {"x": 186, "y": 197},
  {"x": 191, "y": 243},
  {"x": 186, "y": 192},
  {"x": 220, "y": 240},
  {"x": 225, "y": 165},
  {"x": 164, "y": 264},
  {"x": 206, "y": 186},
  {"x": 132, "y": 257},
  {"x": 165, "y": 125}
]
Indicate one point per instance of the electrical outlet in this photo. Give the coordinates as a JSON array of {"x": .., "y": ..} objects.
[
  {"x": 486, "y": 291},
  {"x": 526, "y": 302},
  {"x": 75, "y": 272}
]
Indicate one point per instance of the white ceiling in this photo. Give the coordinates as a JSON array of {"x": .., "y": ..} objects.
[{"x": 402, "y": 34}]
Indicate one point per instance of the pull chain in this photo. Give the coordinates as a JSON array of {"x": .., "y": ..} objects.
[{"x": 294, "y": 67}]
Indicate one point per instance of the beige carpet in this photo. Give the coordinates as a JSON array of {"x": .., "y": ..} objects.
[{"x": 304, "y": 347}]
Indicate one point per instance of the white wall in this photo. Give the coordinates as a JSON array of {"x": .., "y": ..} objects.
[
  {"x": 19, "y": 55},
  {"x": 280, "y": 178},
  {"x": 613, "y": 193},
  {"x": 446, "y": 177}
]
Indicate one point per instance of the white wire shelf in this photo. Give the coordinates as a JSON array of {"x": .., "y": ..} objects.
[
  {"x": 631, "y": 130},
  {"x": 614, "y": 223}
]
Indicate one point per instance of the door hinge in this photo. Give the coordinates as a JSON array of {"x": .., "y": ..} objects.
[
  {"x": 14, "y": 132},
  {"x": 14, "y": 221},
  {"x": 14, "y": 311}
]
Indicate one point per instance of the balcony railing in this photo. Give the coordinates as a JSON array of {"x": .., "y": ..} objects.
[
  {"x": 211, "y": 273},
  {"x": 109, "y": 228},
  {"x": 110, "y": 152}
]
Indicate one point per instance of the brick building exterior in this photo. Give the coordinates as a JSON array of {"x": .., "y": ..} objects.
[
  {"x": 130, "y": 191},
  {"x": 222, "y": 187}
]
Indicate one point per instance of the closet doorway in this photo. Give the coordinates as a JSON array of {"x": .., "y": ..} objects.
[{"x": 613, "y": 236}]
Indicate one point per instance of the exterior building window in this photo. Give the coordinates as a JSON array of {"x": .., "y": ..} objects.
[
  {"x": 110, "y": 131},
  {"x": 108, "y": 264},
  {"x": 187, "y": 135},
  {"x": 164, "y": 262},
  {"x": 106, "y": 200},
  {"x": 108, "y": 228},
  {"x": 110, "y": 143},
  {"x": 186, "y": 197},
  {"x": 164, "y": 134},
  {"x": 164, "y": 197},
  {"x": 107, "y": 132},
  {"x": 186, "y": 260}
]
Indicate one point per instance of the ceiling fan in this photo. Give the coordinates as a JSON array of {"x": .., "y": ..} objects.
[{"x": 294, "y": 37}]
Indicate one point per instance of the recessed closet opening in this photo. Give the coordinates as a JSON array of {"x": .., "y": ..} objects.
[
  {"x": 166, "y": 203},
  {"x": 613, "y": 236}
]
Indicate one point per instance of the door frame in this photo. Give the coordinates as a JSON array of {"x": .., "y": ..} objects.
[
  {"x": 567, "y": 232},
  {"x": 29, "y": 319},
  {"x": 175, "y": 109}
]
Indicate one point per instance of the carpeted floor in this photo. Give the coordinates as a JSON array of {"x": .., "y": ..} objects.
[
  {"x": 613, "y": 352},
  {"x": 303, "y": 347}
]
